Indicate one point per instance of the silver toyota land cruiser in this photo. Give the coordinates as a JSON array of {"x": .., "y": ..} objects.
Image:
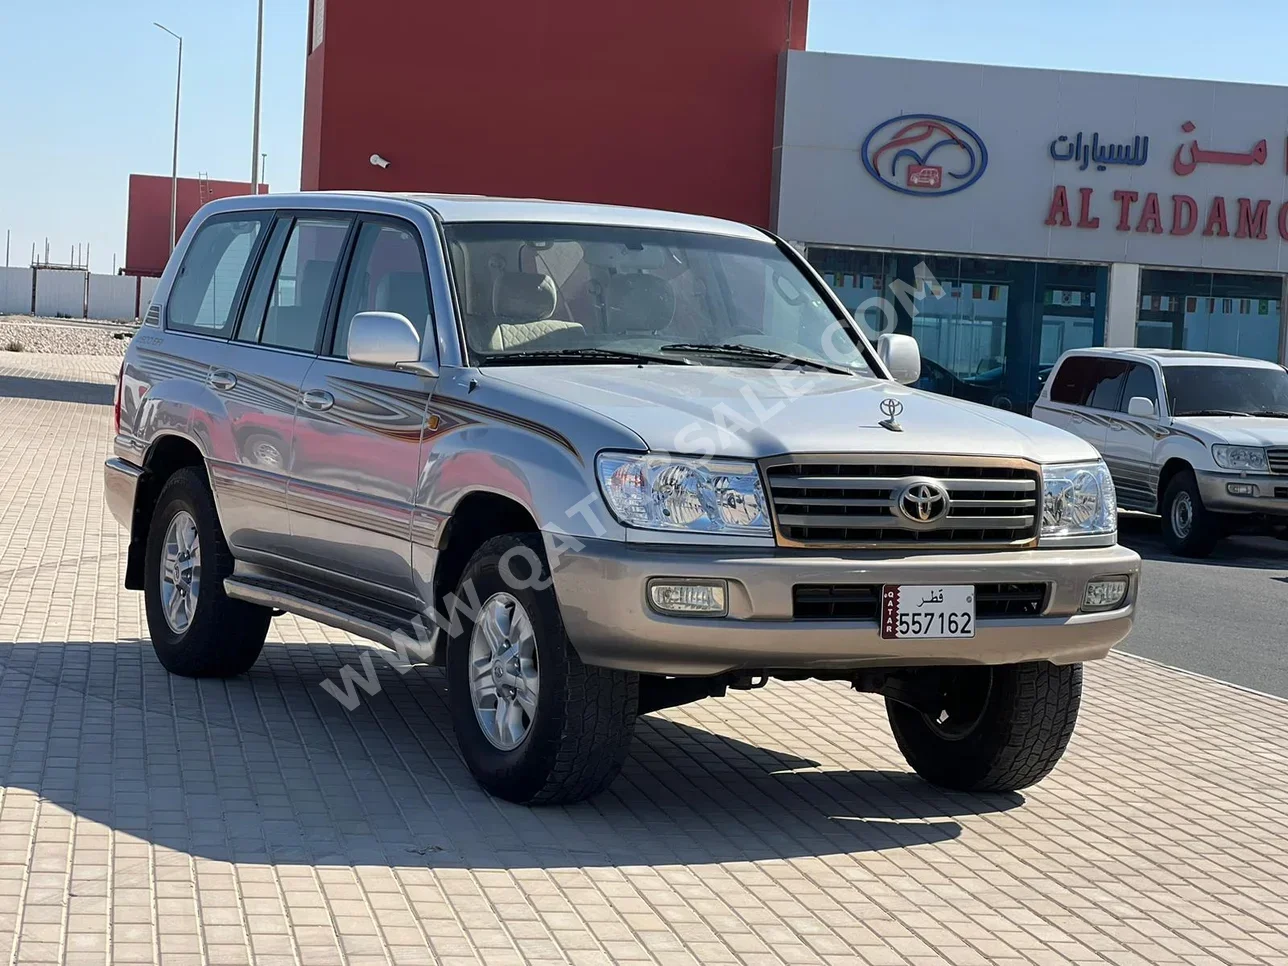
[{"x": 596, "y": 462}]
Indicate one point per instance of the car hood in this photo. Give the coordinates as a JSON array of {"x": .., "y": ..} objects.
[
  {"x": 751, "y": 413},
  {"x": 1239, "y": 430}
]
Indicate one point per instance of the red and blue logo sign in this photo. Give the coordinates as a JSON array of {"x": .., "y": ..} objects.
[{"x": 924, "y": 154}]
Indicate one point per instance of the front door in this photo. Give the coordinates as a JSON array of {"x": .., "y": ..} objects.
[{"x": 356, "y": 452}]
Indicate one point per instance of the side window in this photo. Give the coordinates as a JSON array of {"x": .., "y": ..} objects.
[
  {"x": 1108, "y": 385},
  {"x": 206, "y": 292},
  {"x": 297, "y": 299},
  {"x": 1072, "y": 384},
  {"x": 1140, "y": 382},
  {"x": 386, "y": 274},
  {"x": 262, "y": 286}
]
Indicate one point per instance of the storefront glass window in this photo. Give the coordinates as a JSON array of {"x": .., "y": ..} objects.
[
  {"x": 1235, "y": 314},
  {"x": 989, "y": 329}
]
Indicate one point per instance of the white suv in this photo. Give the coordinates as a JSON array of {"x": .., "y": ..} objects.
[{"x": 1198, "y": 437}]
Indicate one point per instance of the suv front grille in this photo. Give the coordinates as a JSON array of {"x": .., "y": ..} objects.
[
  {"x": 848, "y": 502},
  {"x": 1278, "y": 460},
  {"x": 862, "y": 602}
]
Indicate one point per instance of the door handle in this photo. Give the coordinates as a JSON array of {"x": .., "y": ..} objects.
[
  {"x": 1078, "y": 418},
  {"x": 318, "y": 400},
  {"x": 221, "y": 379},
  {"x": 1116, "y": 426}
]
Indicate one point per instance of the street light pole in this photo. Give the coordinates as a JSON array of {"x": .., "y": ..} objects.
[
  {"x": 174, "y": 165},
  {"x": 259, "y": 76}
]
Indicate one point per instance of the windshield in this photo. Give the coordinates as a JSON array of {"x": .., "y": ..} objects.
[
  {"x": 560, "y": 294},
  {"x": 1234, "y": 390}
]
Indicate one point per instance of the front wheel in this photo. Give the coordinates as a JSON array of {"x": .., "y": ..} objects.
[
  {"x": 534, "y": 724},
  {"x": 1189, "y": 528},
  {"x": 990, "y": 729}
]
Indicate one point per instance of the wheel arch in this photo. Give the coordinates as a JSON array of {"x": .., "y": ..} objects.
[
  {"x": 477, "y": 518},
  {"x": 1171, "y": 469},
  {"x": 166, "y": 455}
]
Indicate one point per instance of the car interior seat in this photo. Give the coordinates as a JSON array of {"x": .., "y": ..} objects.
[{"x": 523, "y": 304}]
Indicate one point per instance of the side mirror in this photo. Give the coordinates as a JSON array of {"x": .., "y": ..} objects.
[
  {"x": 383, "y": 340},
  {"x": 1142, "y": 407},
  {"x": 901, "y": 356}
]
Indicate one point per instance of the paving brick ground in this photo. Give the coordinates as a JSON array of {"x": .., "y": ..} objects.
[{"x": 147, "y": 818}]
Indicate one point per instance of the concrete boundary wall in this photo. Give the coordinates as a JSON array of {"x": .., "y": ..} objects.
[
  {"x": 60, "y": 293},
  {"x": 15, "y": 291},
  {"x": 74, "y": 294},
  {"x": 147, "y": 288},
  {"x": 113, "y": 297}
]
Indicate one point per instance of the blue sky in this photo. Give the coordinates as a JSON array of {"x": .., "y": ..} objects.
[{"x": 89, "y": 84}]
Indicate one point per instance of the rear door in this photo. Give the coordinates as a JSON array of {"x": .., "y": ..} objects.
[
  {"x": 358, "y": 430},
  {"x": 1064, "y": 402},
  {"x": 1130, "y": 441},
  {"x": 258, "y": 377},
  {"x": 1105, "y": 389},
  {"x": 245, "y": 428}
]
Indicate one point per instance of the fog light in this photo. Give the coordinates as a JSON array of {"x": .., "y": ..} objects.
[
  {"x": 688, "y": 597},
  {"x": 1241, "y": 489},
  {"x": 1104, "y": 593}
]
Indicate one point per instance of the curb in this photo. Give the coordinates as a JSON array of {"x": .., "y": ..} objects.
[{"x": 1206, "y": 677}]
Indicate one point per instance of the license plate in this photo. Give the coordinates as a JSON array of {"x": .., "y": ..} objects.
[{"x": 934, "y": 610}]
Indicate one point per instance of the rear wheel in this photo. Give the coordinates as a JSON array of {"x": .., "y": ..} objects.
[
  {"x": 534, "y": 724},
  {"x": 196, "y": 629},
  {"x": 989, "y": 729},
  {"x": 1189, "y": 528}
]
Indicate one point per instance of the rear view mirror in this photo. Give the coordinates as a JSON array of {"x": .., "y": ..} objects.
[
  {"x": 901, "y": 356},
  {"x": 1141, "y": 406},
  {"x": 383, "y": 340}
]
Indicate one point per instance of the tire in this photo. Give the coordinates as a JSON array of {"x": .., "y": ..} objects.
[
  {"x": 1014, "y": 723},
  {"x": 575, "y": 743},
  {"x": 222, "y": 637},
  {"x": 1182, "y": 502}
]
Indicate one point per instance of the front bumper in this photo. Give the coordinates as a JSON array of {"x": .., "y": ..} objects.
[
  {"x": 602, "y": 598},
  {"x": 120, "y": 482},
  {"x": 1270, "y": 495}
]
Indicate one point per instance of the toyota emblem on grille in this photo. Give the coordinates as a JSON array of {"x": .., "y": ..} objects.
[{"x": 922, "y": 502}]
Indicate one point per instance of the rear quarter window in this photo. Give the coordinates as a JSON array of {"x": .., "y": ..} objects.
[{"x": 207, "y": 292}]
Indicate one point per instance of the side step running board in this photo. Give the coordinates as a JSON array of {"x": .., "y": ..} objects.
[{"x": 393, "y": 630}]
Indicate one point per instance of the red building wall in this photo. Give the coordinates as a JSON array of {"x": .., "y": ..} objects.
[
  {"x": 663, "y": 103},
  {"x": 147, "y": 229}
]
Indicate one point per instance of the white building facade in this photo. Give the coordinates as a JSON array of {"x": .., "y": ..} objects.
[{"x": 1037, "y": 211}]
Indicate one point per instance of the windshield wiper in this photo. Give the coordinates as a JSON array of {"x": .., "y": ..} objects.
[
  {"x": 584, "y": 353},
  {"x": 737, "y": 350},
  {"x": 1213, "y": 412},
  {"x": 1276, "y": 413}
]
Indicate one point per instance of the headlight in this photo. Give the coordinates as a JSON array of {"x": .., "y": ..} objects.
[
  {"x": 1078, "y": 499},
  {"x": 674, "y": 493},
  {"x": 1239, "y": 457}
]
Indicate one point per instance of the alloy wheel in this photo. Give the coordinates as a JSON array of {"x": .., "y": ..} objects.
[
  {"x": 504, "y": 681},
  {"x": 180, "y": 572}
]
